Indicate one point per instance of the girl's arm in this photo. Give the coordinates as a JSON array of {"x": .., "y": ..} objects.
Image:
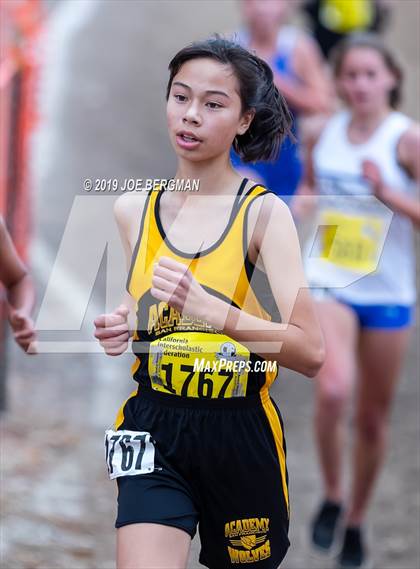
[
  {"x": 304, "y": 200},
  {"x": 409, "y": 158},
  {"x": 299, "y": 335},
  {"x": 20, "y": 290},
  {"x": 113, "y": 330},
  {"x": 128, "y": 211},
  {"x": 297, "y": 342},
  {"x": 14, "y": 275},
  {"x": 312, "y": 93}
]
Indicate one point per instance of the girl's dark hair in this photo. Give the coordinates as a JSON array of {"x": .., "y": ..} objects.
[
  {"x": 370, "y": 41},
  {"x": 272, "y": 120}
]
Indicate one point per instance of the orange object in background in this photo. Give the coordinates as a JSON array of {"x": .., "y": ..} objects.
[
  {"x": 21, "y": 25},
  {"x": 20, "y": 29}
]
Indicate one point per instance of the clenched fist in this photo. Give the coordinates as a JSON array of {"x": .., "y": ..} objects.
[
  {"x": 112, "y": 331},
  {"x": 23, "y": 330},
  {"x": 174, "y": 283}
]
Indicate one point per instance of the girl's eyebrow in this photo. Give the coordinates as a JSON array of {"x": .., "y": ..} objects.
[{"x": 209, "y": 92}]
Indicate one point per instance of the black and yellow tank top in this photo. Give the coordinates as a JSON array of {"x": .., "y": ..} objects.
[{"x": 186, "y": 356}]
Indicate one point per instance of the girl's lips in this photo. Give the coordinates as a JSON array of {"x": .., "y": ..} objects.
[{"x": 187, "y": 144}]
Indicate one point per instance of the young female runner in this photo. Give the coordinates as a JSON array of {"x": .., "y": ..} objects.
[
  {"x": 19, "y": 290},
  {"x": 365, "y": 165},
  {"x": 206, "y": 445}
]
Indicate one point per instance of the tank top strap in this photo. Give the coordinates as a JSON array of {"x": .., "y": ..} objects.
[
  {"x": 239, "y": 228},
  {"x": 389, "y": 132},
  {"x": 253, "y": 192}
]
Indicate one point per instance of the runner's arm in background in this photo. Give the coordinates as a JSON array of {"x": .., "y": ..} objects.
[
  {"x": 409, "y": 158},
  {"x": 312, "y": 92},
  {"x": 19, "y": 289},
  {"x": 304, "y": 200}
]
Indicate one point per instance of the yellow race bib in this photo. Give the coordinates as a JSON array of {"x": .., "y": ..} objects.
[
  {"x": 351, "y": 242},
  {"x": 198, "y": 364}
]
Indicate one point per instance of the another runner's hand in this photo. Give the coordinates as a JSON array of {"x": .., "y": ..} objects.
[
  {"x": 24, "y": 331},
  {"x": 372, "y": 174},
  {"x": 174, "y": 283},
  {"x": 112, "y": 331}
]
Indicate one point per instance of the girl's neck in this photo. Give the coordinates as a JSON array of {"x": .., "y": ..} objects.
[
  {"x": 368, "y": 122},
  {"x": 215, "y": 178},
  {"x": 264, "y": 44}
]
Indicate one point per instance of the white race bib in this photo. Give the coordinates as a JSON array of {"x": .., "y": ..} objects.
[{"x": 128, "y": 453}]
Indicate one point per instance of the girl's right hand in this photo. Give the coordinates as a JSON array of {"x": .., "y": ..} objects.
[{"x": 112, "y": 331}]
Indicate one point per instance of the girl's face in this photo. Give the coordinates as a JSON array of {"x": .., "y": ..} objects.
[
  {"x": 364, "y": 80},
  {"x": 204, "y": 110},
  {"x": 264, "y": 16}
]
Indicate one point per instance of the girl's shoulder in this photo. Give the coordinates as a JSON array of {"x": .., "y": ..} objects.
[
  {"x": 409, "y": 127},
  {"x": 129, "y": 206},
  {"x": 412, "y": 134},
  {"x": 128, "y": 213},
  {"x": 266, "y": 206},
  {"x": 289, "y": 37},
  {"x": 302, "y": 45},
  {"x": 409, "y": 149},
  {"x": 313, "y": 128}
]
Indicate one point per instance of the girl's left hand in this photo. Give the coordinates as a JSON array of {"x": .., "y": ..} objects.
[
  {"x": 373, "y": 175},
  {"x": 174, "y": 283}
]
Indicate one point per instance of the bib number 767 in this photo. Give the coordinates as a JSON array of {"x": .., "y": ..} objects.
[{"x": 128, "y": 453}]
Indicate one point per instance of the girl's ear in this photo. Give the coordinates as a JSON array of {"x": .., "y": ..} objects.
[
  {"x": 245, "y": 121},
  {"x": 392, "y": 80}
]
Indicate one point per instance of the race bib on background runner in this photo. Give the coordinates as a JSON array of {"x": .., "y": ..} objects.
[
  {"x": 351, "y": 241},
  {"x": 350, "y": 234}
]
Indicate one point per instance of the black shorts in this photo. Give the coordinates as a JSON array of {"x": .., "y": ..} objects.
[{"x": 216, "y": 463}]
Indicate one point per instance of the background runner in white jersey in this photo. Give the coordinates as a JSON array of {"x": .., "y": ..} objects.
[
  {"x": 388, "y": 268},
  {"x": 360, "y": 262}
]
